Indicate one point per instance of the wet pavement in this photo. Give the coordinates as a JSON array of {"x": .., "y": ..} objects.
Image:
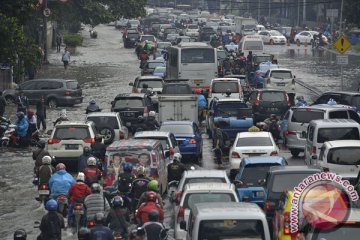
[{"x": 104, "y": 69}]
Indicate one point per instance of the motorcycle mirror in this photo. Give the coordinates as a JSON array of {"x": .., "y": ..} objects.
[
  {"x": 37, "y": 224},
  {"x": 131, "y": 84}
]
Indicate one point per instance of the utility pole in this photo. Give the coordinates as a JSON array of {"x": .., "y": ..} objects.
[
  {"x": 304, "y": 12},
  {"x": 258, "y": 18},
  {"x": 269, "y": 9},
  {"x": 340, "y": 31},
  {"x": 45, "y": 34},
  {"x": 298, "y": 13}
]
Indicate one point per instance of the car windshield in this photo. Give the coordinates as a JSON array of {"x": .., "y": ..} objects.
[
  {"x": 275, "y": 33},
  {"x": 149, "y": 38},
  {"x": 304, "y": 116},
  {"x": 249, "y": 27},
  {"x": 177, "y": 128},
  {"x": 253, "y": 45},
  {"x": 273, "y": 97},
  {"x": 244, "y": 229},
  {"x": 254, "y": 142},
  {"x": 281, "y": 74},
  {"x": 233, "y": 110},
  {"x": 72, "y": 85},
  {"x": 164, "y": 141},
  {"x": 178, "y": 89},
  {"x": 287, "y": 181},
  {"x": 344, "y": 156},
  {"x": 221, "y": 54},
  {"x": 193, "y": 198},
  {"x": 224, "y": 86},
  {"x": 343, "y": 231},
  {"x": 252, "y": 173},
  {"x": 71, "y": 133},
  {"x": 135, "y": 156},
  {"x": 104, "y": 121},
  {"x": 260, "y": 59},
  {"x": 197, "y": 55},
  {"x": 129, "y": 103},
  {"x": 160, "y": 70},
  {"x": 331, "y": 134},
  {"x": 356, "y": 102},
  {"x": 133, "y": 35},
  {"x": 153, "y": 65},
  {"x": 163, "y": 45},
  {"x": 151, "y": 83},
  {"x": 204, "y": 179}
]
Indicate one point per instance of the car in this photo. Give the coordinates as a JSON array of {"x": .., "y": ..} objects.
[
  {"x": 280, "y": 78},
  {"x": 177, "y": 88},
  {"x": 226, "y": 88},
  {"x": 167, "y": 139},
  {"x": 188, "y": 136},
  {"x": 162, "y": 30},
  {"x": 160, "y": 71},
  {"x": 150, "y": 66},
  {"x": 244, "y": 81},
  {"x": 182, "y": 39},
  {"x": 251, "y": 144},
  {"x": 148, "y": 153},
  {"x": 272, "y": 37},
  {"x": 251, "y": 171},
  {"x": 154, "y": 83},
  {"x": 109, "y": 125},
  {"x": 130, "y": 39},
  {"x": 68, "y": 139},
  {"x": 192, "y": 30},
  {"x": 206, "y": 33},
  {"x": 262, "y": 57},
  {"x": 171, "y": 37},
  {"x": 341, "y": 97},
  {"x": 131, "y": 106},
  {"x": 306, "y": 37},
  {"x": 163, "y": 45},
  {"x": 56, "y": 92},
  {"x": 265, "y": 102},
  {"x": 200, "y": 193},
  {"x": 133, "y": 23},
  {"x": 150, "y": 38}
]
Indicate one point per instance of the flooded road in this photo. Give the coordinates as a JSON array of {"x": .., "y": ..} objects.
[{"x": 104, "y": 69}]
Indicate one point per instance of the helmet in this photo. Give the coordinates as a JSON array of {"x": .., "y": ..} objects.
[
  {"x": 41, "y": 144},
  {"x": 140, "y": 170},
  {"x": 153, "y": 185},
  {"x": 117, "y": 201},
  {"x": 63, "y": 113},
  {"x": 20, "y": 115},
  {"x": 98, "y": 138},
  {"x": 153, "y": 216},
  {"x": 86, "y": 150},
  {"x": 272, "y": 116},
  {"x": 152, "y": 114},
  {"x": 92, "y": 101},
  {"x": 177, "y": 157},
  {"x": 80, "y": 177},
  {"x": 51, "y": 205},
  {"x": 95, "y": 188},
  {"x": 84, "y": 233},
  {"x": 146, "y": 41},
  {"x": 20, "y": 234},
  {"x": 46, "y": 160},
  {"x": 151, "y": 196},
  {"x": 60, "y": 166},
  {"x": 99, "y": 218},
  {"x": 128, "y": 167},
  {"x": 91, "y": 161}
]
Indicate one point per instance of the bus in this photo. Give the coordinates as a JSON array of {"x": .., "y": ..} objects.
[{"x": 195, "y": 61}]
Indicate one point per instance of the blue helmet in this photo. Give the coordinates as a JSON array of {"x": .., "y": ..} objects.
[
  {"x": 128, "y": 167},
  {"x": 51, "y": 205},
  {"x": 117, "y": 201}
]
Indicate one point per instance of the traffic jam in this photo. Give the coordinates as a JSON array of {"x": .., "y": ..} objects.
[{"x": 210, "y": 136}]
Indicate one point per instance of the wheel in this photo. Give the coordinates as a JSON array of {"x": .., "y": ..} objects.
[
  {"x": 294, "y": 152},
  {"x": 271, "y": 42},
  {"x": 52, "y": 103},
  {"x": 9, "y": 99},
  {"x": 298, "y": 41},
  {"x": 108, "y": 133}
]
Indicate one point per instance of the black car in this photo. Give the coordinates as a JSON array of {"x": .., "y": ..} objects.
[
  {"x": 206, "y": 33},
  {"x": 178, "y": 88},
  {"x": 131, "y": 106},
  {"x": 341, "y": 97},
  {"x": 268, "y": 101},
  {"x": 130, "y": 39}
]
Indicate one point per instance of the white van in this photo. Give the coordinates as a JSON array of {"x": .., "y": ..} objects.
[
  {"x": 226, "y": 88},
  {"x": 252, "y": 43},
  {"x": 226, "y": 221},
  {"x": 320, "y": 131}
]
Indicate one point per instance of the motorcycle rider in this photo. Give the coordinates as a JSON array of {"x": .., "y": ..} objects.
[
  {"x": 145, "y": 89},
  {"x": 273, "y": 126},
  {"x": 77, "y": 194},
  {"x": 99, "y": 231},
  {"x": 151, "y": 121},
  {"x": 21, "y": 130},
  {"x": 153, "y": 186},
  {"x": 22, "y": 102},
  {"x": 142, "y": 213},
  {"x": 51, "y": 223},
  {"x": 98, "y": 149},
  {"x": 60, "y": 182},
  {"x": 62, "y": 117},
  {"x": 84, "y": 234},
  {"x": 144, "y": 57},
  {"x": 96, "y": 202},
  {"x": 92, "y": 172},
  {"x": 176, "y": 168},
  {"x": 32, "y": 122},
  {"x": 45, "y": 170},
  {"x": 153, "y": 227},
  {"x": 139, "y": 186},
  {"x": 20, "y": 234},
  {"x": 126, "y": 178},
  {"x": 38, "y": 155},
  {"x": 92, "y": 107},
  {"x": 202, "y": 104},
  {"x": 82, "y": 164},
  {"x": 226, "y": 66},
  {"x": 119, "y": 217},
  {"x": 301, "y": 101}
]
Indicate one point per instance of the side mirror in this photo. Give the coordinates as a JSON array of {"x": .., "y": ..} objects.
[
  {"x": 183, "y": 225},
  {"x": 294, "y": 76},
  {"x": 314, "y": 157},
  {"x": 48, "y": 132},
  {"x": 37, "y": 224},
  {"x": 262, "y": 182},
  {"x": 131, "y": 84},
  {"x": 112, "y": 103},
  {"x": 167, "y": 153}
]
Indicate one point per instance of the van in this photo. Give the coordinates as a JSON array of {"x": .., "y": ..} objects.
[
  {"x": 226, "y": 88},
  {"x": 320, "y": 131},
  {"x": 226, "y": 220},
  {"x": 252, "y": 43}
]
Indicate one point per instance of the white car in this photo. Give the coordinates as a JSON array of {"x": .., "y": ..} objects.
[
  {"x": 200, "y": 193},
  {"x": 306, "y": 37},
  {"x": 272, "y": 37},
  {"x": 251, "y": 144},
  {"x": 280, "y": 78},
  {"x": 192, "y": 30}
]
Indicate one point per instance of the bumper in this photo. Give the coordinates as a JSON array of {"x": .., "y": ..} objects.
[
  {"x": 66, "y": 154},
  {"x": 293, "y": 142},
  {"x": 189, "y": 150},
  {"x": 179, "y": 233},
  {"x": 70, "y": 100}
]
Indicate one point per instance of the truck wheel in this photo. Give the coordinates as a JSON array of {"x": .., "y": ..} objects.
[{"x": 294, "y": 152}]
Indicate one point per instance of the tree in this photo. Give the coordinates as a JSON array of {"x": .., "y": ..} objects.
[
  {"x": 351, "y": 12},
  {"x": 126, "y": 8}
]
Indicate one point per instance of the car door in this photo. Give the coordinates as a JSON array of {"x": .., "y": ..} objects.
[{"x": 29, "y": 89}]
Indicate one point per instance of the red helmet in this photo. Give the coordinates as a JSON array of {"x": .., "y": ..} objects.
[
  {"x": 151, "y": 196},
  {"x": 30, "y": 113},
  {"x": 60, "y": 166}
]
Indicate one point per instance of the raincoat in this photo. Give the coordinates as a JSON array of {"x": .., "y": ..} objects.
[
  {"x": 60, "y": 183},
  {"x": 22, "y": 127}
]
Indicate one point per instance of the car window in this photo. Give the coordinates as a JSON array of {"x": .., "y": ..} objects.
[
  {"x": 227, "y": 110},
  {"x": 331, "y": 134},
  {"x": 354, "y": 116},
  {"x": 311, "y": 133},
  {"x": 287, "y": 181},
  {"x": 253, "y": 45},
  {"x": 164, "y": 141},
  {"x": 273, "y": 96},
  {"x": 252, "y": 173},
  {"x": 301, "y": 116},
  {"x": 129, "y": 103},
  {"x": 222, "y": 87},
  {"x": 71, "y": 133},
  {"x": 72, "y": 85},
  {"x": 338, "y": 114},
  {"x": 150, "y": 83},
  {"x": 28, "y": 86},
  {"x": 344, "y": 156},
  {"x": 192, "y": 198},
  {"x": 104, "y": 121},
  {"x": 55, "y": 85},
  {"x": 281, "y": 74},
  {"x": 356, "y": 102},
  {"x": 254, "y": 141},
  {"x": 177, "y": 129},
  {"x": 204, "y": 179},
  {"x": 43, "y": 85}
]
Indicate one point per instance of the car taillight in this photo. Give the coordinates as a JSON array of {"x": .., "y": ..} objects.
[
  {"x": 121, "y": 134},
  {"x": 287, "y": 133},
  {"x": 43, "y": 187},
  {"x": 67, "y": 93},
  {"x": 313, "y": 150},
  {"x": 192, "y": 141},
  {"x": 154, "y": 164},
  {"x": 171, "y": 151},
  {"x": 269, "y": 205},
  {"x": 274, "y": 153},
  {"x": 53, "y": 141},
  {"x": 181, "y": 213},
  {"x": 257, "y": 101},
  {"x": 78, "y": 206},
  {"x": 287, "y": 223},
  {"x": 89, "y": 140},
  {"x": 178, "y": 197},
  {"x": 235, "y": 155},
  {"x": 61, "y": 197},
  {"x": 288, "y": 100},
  {"x": 91, "y": 223}
]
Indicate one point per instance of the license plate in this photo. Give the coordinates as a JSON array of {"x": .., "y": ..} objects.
[
  {"x": 259, "y": 194},
  {"x": 254, "y": 154},
  {"x": 78, "y": 211},
  {"x": 198, "y": 81},
  {"x": 273, "y": 109},
  {"x": 127, "y": 114},
  {"x": 280, "y": 84},
  {"x": 71, "y": 147},
  {"x": 44, "y": 192},
  {"x": 78, "y": 101}
]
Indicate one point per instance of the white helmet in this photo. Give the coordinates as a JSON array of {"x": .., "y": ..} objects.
[
  {"x": 152, "y": 114},
  {"x": 80, "y": 177},
  {"x": 91, "y": 161},
  {"x": 177, "y": 157},
  {"x": 63, "y": 113},
  {"x": 46, "y": 160}
]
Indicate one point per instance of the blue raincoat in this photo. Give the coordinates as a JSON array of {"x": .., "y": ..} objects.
[
  {"x": 22, "y": 127},
  {"x": 60, "y": 183}
]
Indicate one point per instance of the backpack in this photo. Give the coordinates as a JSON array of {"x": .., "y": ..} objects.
[{"x": 124, "y": 182}]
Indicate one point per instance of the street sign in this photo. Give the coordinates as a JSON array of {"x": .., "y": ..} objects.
[
  {"x": 332, "y": 13},
  {"x": 342, "y": 59},
  {"x": 46, "y": 12},
  {"x": 342, "y": 44}
]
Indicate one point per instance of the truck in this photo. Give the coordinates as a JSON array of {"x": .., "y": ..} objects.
[
  {"x": 245, "y": 26},
  {"x": 178, "y": 107}
]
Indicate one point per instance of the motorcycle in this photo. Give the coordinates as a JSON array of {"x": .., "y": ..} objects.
[
  {"x": 8, "y": 136},
  {"x": 44, "y": 192},
  {"x": 4, "y": 125},
  {"x": 79, "y": 214},
  {"x": 93, "y": 33},
  {"x": 172, "y": 186},
  {"x": 62, "y": 204}
]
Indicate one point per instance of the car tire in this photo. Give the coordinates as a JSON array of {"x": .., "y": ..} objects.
[
  {"x": 271, "y": 42},
  {"x": 108, "y": 133},
  {"x": 52, "y": 103},
  {"x": 9, "y": 99},
  {"x": 294, "y": 152}
]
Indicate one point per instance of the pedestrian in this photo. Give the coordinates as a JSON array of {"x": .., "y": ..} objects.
[
  {"x": 66, "y": 58},
  {"x": 58, "y": 42},
  {"x": 2, "y": 105},
  {"x": 41, "y": 113},
  {"x": 22, "y": 102},
  {"x": 218, "y": 143}
]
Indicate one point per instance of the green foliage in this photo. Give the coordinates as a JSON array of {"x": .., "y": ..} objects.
[
  {"x": 73, "y": 39},
  {"x": 357, "y": 47},
  {"x": 127, "y": 8},
  {"x": 351, "y": 12}
]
